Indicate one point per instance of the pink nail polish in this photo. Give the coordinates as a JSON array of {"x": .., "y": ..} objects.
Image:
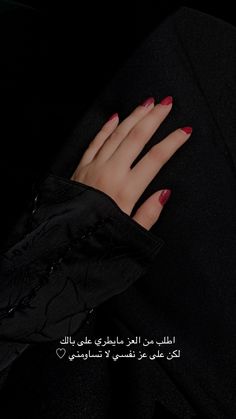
[
  {"x": 164, "y": 196},
  {"x": 187, "y": 130},
  {"x": 167, "y": 100},
  {"x": 148, "y": 102},
  {"x": 115, "y": 115}
]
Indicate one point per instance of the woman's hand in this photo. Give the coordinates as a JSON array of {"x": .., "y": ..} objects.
[{"x": 105, "y": 165}]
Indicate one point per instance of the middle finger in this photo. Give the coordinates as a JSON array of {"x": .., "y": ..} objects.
[
  {"x": 120, "y": 133},
  {"x": 141, "y": 133}
]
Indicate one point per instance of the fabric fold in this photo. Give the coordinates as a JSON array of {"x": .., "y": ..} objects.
[{"x": 82, "y": 250}]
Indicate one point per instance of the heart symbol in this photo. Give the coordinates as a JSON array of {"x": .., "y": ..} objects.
[{"x": 60, "y": 352}]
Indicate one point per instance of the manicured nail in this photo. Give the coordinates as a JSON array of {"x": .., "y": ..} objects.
[
  {"x": 164, "y": 196},
  {"x": 187, "y": 130},
  {"x": 148, "y": 102},
  {"x": 115, "y": 115},
  {"x": 167, "y": 100}
]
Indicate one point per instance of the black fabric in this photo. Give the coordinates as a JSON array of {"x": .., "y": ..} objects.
[
  {"x": 189, "y": 289},
  {"x": 81, "y": 250}
]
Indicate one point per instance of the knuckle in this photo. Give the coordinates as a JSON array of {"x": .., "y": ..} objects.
[
  {"x": 139, "y": 131},
  {"x": 137, "y": 114},
  {"x": 89, "y": 148},
  {"x": 105, "y": 130},
  {"x": 102, "y": 179},
  {"x": 158, "y": 154},
  {"x": 117, "y": 134},
  {"x": 92, "y": 143},
  {"x": 151, "y": 213},
  {"x": 125, "y": 199}
]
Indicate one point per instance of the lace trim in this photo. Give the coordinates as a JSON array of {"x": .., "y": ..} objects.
[{"x": 25, "y": 301}]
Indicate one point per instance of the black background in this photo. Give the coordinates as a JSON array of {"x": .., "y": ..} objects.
[{"x": 55, "y": 58}]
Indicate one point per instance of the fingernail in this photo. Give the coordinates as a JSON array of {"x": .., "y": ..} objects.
[
  {"x": 164, "y": 196},
  {"x": 115, "y": 115},
  {"x": 167, "y": 100},
  {"x": 148, "y": 102},
  {"x": 187, "y": 130}
]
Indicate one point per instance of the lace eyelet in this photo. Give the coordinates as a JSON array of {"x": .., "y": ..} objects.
[
  {"x": 36, "y": 198},
  {"x": 11, "y": 310},
  {"x": 51, "y": 269}
]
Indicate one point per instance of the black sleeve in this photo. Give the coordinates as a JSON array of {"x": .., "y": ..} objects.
[{"x": 81, "y": 250}]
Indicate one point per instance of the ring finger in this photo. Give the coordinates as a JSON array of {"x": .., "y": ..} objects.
[{"x": 147, "y": 168}]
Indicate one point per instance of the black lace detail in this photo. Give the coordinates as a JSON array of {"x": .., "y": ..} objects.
[
  {"x": 25, "y": 302},
  {"x": 33, "y": 206}
]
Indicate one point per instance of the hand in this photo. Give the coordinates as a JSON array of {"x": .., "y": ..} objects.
[{"x": 105, "y": 165}]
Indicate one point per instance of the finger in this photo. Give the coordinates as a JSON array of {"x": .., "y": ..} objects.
[
  {"x": 124, "y": 128},
  {"x": 141, "y": 133},
  {"x": 149, "y": 212},
  {"x": 146, "y": 169},
  {"x": 99, "y": 140}
]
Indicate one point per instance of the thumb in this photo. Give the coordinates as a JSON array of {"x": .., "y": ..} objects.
[{"x": 148, "y": 213}]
